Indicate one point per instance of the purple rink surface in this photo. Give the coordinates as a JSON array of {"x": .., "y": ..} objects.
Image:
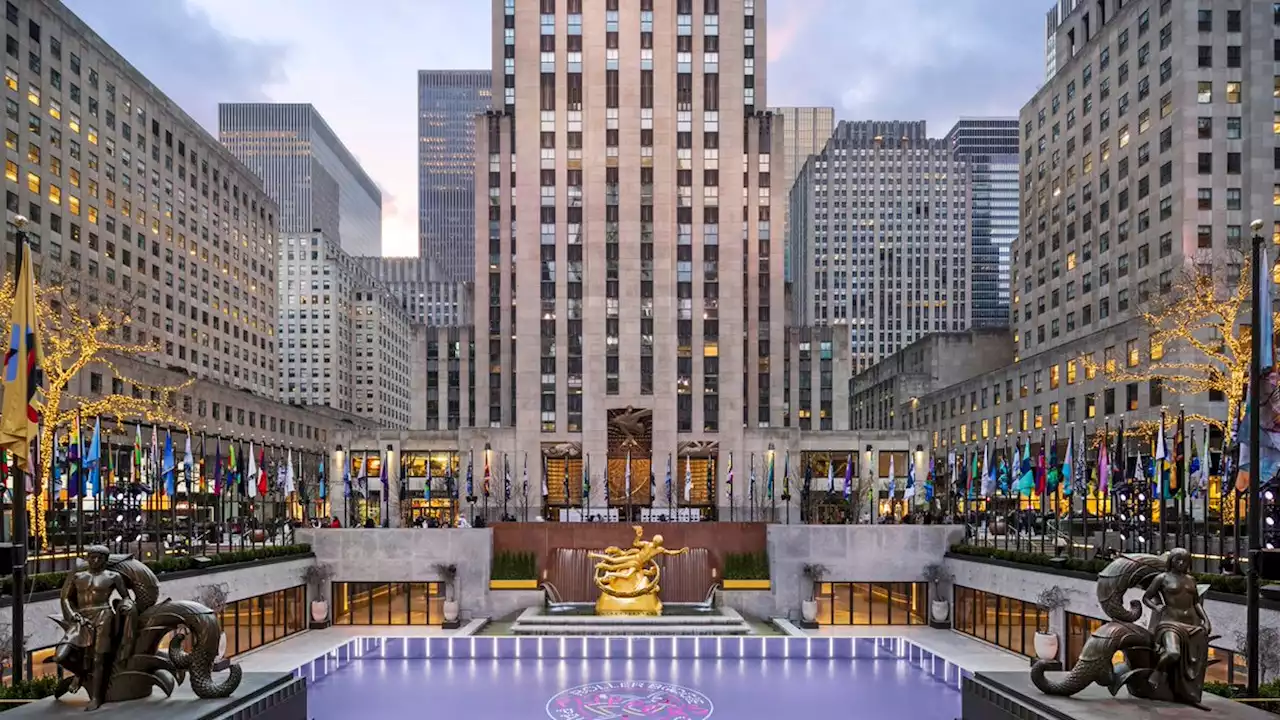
[{"x": 616, "y": 689}]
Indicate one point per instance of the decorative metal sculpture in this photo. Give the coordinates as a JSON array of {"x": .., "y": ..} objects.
[
  {"x": 111, "y": 645},
  {"x": 628, "y": 579},
  {"x": 1166, "y": 660}
]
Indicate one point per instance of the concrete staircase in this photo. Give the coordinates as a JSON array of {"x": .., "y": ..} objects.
[{"x": 723, "y": 621}]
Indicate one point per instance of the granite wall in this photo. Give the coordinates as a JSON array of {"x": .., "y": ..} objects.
[
  {"x": 409, "y": 555},
  {"x": 241, "y": 582}
]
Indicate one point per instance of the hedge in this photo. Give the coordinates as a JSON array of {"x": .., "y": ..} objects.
[
  {"x": 1231, "y": 584},
  {"x": 746, "y": 566},
  {"x": 27, "y": 690},
  {"x": 45, "y": 582},
  {"x": 514, "y": 566}
]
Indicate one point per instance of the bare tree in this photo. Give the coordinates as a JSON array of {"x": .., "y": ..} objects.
[
  {"x": 1268, "y": 651},
  {"x": 212, "y": 596}
]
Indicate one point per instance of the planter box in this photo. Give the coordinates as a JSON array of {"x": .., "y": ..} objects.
[
  {"x": 513, "y": 584},
  {"x": 745, "y": 584}
]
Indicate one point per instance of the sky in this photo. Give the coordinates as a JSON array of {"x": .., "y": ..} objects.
[{"x": 933, "y": 60}]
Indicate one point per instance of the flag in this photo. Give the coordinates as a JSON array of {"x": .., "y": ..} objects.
[
  {"x": 1104, "y": 464},
  {"x": 253, "y": 472},
  {"x": 386, "y": 488},
  {"x": 1041, "y": 468},
  {"x": 471, "y": 487},
  {"x": 93, "y": 461},
  {"x": 1177, "y": 481},
  {"x": 606, "y": 482},
  {"x": 525, "y": 489},
  {"x": 1161, "y": 456},
  {"x": 1068, "y": 462},
  {"x": 728, "y": 481},
  {"x": 203, "y": 481},
  {"x": 586, "y": 481},
  {"x": 831, "y": 475},
  {"x": 506, "y": 478},
  {"x": 74, "y": 456},
  {"x": 169, "y": 465},
  {"x": 262, "y": 471},
  {"x": 893, "y": 480},
  {"x": 323, "y": 490},
  {"x": 1026, "y": 473},
  {"x": 930, "y": 479},
  {"x": 768, "y": 483},
  {"x": 217, "y": 466},
  {"x": 154, "y": 464},
  {"x": 233, "y": 470},
  {"x": 188, "y": 463},
  {"x": 484, "y": 481},
  {"x": 1055, "y": 471},
  {"x": 546, "y": 490},
  {"x": 988, "y": 478},
  {"x": 910, "y": 490},
  {"x": 288, "y": 475},
  {"x": 1199, "y": 473},
  {"x": 688, "y": 480},
  {"x": 346, "y": 480},
  {"x": 751, "y": 481},
  {"x": 626, "y": 480},
  {"x": 668, "y": 484},
  {"x": 23, "y": 367},
  {"x": 807, "y": 486}
]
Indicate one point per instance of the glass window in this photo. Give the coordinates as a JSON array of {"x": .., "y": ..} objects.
[
  {"x": 859, "y": 603},
  {"x": 1004, "y": 621},
  {"x": 396, "y": 603}
]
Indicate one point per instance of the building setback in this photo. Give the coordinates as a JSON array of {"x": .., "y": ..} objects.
[
  {"x": 421, "y": 287},
  {"x": 448, "y": 103},
  {"x": 880, "y": 237},
  {"x": 805, "y": 130},
  {"x": 317, "y": 182}
]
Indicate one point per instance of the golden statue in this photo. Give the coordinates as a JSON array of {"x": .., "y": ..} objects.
[{"x": 628, "y": 579}]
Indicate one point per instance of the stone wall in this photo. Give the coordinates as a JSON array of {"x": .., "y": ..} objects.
[
  {"x": 855, "y": 553},
  {"x": 242, "y": 582},
  {"x": 1228, "y": 617},
  {"x": 409, "y": 555}
]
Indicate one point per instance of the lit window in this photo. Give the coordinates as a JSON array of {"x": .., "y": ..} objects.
[
  {"x": 73, "y": 202},
  {"x": 1132, "y": 353},
  {"x": 1233, "y": 92},
  {"x": 11, "y": 78},
  {"x": 33, "y": 94},
  {"x": 1157, "y": 349},
  {"x": 55, "y": 109},
  {"x": 1071, "y": 261},
  {"x": 1071, "y": 372},
  {"x": 1204, "y": 92},
  {"x": 33, "y": 183},
  {"x": 1124, "y": 135},
  {"x": 73, "y": 122},
  {"x": 11, "y": 171},
  {"x": 93, "y": 215}
]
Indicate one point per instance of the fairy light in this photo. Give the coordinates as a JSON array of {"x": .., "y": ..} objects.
[{"x": 75, "y": 339}]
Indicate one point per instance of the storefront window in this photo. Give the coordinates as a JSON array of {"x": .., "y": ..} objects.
[
  {"x": 1004, "y": 621},
  {"x": 396, "y": 603},
  {"x": 256, "y": 621},
  {"x": 891, "y": 603},
  {"x": 1229, "y": 669}
]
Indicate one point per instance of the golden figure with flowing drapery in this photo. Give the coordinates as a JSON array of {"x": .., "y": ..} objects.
[{"x": 628, "y": 578}]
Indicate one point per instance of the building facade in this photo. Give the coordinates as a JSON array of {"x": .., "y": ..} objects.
[
  {"x": 805, "y": 131},
  {"x": 1148, "y": 154},
  {"x": 342, "y": 334},
  {"x": 989, "y": 147},
  {"x": 423, "y": 289},
  {"x": 448, "y": 103},
  {"x": 317, "y": 182},
  {"x": 880, "y": 238}
]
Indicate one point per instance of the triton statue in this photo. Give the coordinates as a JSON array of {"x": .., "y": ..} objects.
[
  {"x": 113, "y": 629},
  {"x": 1165, "y": 660},
  {"x": 628, "y": 579}
]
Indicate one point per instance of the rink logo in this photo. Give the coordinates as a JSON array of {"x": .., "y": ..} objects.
[{"x": 629, "y": 700}]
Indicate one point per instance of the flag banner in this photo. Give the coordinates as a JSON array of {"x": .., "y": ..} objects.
[{"x": 23, "y": 368}]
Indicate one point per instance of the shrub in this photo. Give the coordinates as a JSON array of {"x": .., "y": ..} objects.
[
  {"x": 746, "y": 566},
  {"x": 514, "y": 566}
]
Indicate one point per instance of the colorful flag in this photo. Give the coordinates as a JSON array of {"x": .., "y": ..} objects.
[
  {"x": 546, "y": 490},
  {"x": 346, "y": 480},
  {"x": 768, "y": 485},
  {"x": 217, "y": 466},
  {"x": 786, "y": 475},
  {"x": 929, "y": 482},
  {"x": 506, "y": 478},
  {"x": 93, "y": 461},
  {"x": 386, "y": 488},
  {"x": 288, "y": 475},
  {"x": 1026, "y": 472},
  {"x": 1068, "y": 462},
  {"x": 688, "y": 480},
  {"x": 1177, "y": 481},
  {"x": 893, "y": 480},
  {"x": 23, "y": 367},
  {"x": 169, "y": 465},
  {"x": 323, "y": 490},
  {"x": 910, "y": 490},
  {"x": 831, "y": 475},
  {"x": 188, "y": 464},
  {"x": 728, "y": 481},
  {"x": 1104, "y": 464},
  {"x": 471, "y": 486},
  {"x": 484, "y": 485},
  {"x": 253, "y": 472},
  {"x": 1055, "y": 471},
  {"x": 525, "y": 480}
]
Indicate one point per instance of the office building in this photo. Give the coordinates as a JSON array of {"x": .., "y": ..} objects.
[
  {"x": 805, "y": 130},
  {"x": 448, "y": 103},
  {"x": 317, "y": 182},
  {"x": 989, "y": 147},
  {"x": 422, "y": 288},
  {"x": 880, "y": 238},
  {"x": 131, "y": 201},
  {"x": 1143, "y": 155},
  {"x": 342, "y": 334}
]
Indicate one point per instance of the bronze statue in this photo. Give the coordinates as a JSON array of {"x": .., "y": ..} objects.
[
  {"x": 628, "y": 579},
  {"x": 113, "y": 628},
  {"x": 1166, "y": 660}
]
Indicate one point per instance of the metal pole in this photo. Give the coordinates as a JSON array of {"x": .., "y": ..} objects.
[{"x": 1260, "y": 275}]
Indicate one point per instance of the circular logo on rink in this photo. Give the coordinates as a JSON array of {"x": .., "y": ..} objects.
[{"x": 629, "y": 699}]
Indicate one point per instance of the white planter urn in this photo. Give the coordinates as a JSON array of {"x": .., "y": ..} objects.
[
  {"x": 940, "y": 611},
  {"x": 450, "y": 611},
  {"x": 319, "y": 611},
  {"x": 1046, "y": 646},
  {"x": 809, "y": 610}
]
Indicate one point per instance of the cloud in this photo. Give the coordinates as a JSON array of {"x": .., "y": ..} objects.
[
  {"x": 177, "y": 47},
  {"x": 908, "y": 59}
]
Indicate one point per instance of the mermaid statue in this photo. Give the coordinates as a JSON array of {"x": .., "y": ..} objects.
[{"x": 1166, "y": 659}]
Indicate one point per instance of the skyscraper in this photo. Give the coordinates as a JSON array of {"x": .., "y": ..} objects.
[
  {"x": 307, "y": 170},
  {"x": 880, "y": 237},
  {"x": 627, "y": 127},
  {"x": 989, "y": 147},
  {"x": 448, "y": 103},
  {"x": 805, "y": 130}
]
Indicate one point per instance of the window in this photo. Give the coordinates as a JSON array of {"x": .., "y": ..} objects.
[
  {"x": 871, "y": 603},
  {"x": 253, "y": 622},
  {"x": 1233, "y": 92},
  {"x": 1204, "y": 92},
  {"x": 1004, "y": 621},
  {"x": 383, "y": 603}
]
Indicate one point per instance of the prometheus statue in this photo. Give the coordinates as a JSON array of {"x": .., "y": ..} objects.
[{"x": 628, "y": 579}]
